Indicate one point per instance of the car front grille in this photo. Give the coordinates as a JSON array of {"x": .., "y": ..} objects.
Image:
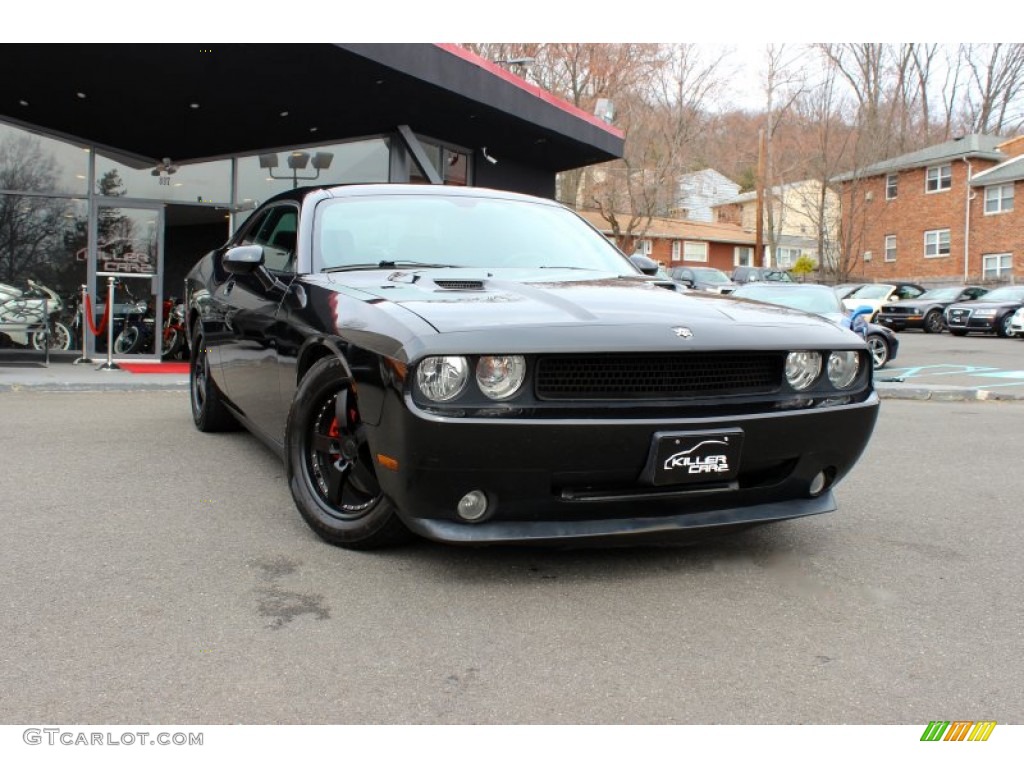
[
  {"x": 460, "y": 285},
  {"x": 959, "y": 316},
  {"x": 894, "y": 311},
  {"x": 658, "y": 376}
]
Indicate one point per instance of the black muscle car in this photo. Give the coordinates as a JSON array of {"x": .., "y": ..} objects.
[
  {"x": 991, "y": 313},
  {"x": 477, "y": 366},
  {"x": 926, "y": 311}
]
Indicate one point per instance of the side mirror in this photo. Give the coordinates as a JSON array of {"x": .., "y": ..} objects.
[
  {"x": 243, "y": 259},
  {"x": 644, "y": 264}
]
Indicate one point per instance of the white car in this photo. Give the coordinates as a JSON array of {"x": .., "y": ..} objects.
[
  {"x": 874, "y": 295},
  {"x": 1017, "y": 324}
]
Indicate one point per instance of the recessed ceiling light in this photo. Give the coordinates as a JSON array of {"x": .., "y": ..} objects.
[
  {"x": 79, "y": 175},
  {"x": 285, "y": 113},
  {"x": 80, "y": 95},
  {"x": 23, "y": 102},
  {"x": 194, "y": 105},
  {"x": 314, "y": 129}
]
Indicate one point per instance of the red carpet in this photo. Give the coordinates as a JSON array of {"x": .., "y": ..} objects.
[{"x": 179, "y": 368}]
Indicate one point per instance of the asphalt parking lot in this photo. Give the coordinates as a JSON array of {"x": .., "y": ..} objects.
[{"x": 154, "y": 574}]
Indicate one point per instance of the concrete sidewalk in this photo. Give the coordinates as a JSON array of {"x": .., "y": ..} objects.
[{"x": 63, "y": 375}]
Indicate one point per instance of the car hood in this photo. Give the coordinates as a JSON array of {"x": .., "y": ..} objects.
[{"x": 620, "y": 308}]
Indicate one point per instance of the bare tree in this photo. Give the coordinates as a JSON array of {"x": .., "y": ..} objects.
[{"x": 995, "y": 102}]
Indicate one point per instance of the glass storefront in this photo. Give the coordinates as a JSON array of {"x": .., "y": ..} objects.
[{"x": 146, "y": 227}]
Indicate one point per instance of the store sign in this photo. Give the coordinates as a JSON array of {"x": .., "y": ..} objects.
[{"x": 117, "y": 256}]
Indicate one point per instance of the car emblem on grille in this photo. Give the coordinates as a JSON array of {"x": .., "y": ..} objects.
[{"x": 683, "y": 333}]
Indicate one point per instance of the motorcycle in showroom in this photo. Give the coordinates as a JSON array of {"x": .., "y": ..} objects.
[
  {"x": 27, "y": 317},
  {"x": 175, "y": 344}
]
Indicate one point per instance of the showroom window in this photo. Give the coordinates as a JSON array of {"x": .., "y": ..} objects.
[
  {"x": 695, "y": 251},
  {"x": 936, "y": 243},
  {"x": 995, "y": 266},
  {"x": 938, "y": 178},
  {"x": 999, "y": 198}
]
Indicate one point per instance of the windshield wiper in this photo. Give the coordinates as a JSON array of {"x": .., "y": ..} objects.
[{"x": 386, "y": 265}]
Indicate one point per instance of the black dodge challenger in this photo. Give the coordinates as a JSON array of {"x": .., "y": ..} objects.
[{"x": 477, "y": 367}]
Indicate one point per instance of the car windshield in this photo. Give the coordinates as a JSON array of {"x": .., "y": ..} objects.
[
  {"x": 708, "y": 275},
  {"x": 1006, "y": 293},
  {"x": 776, "y": 276},
  {"x": 871, "y": 292},
  {"x": 458, "y": 231},
  {"x": 810, "y": 299},
  {"x": 940, "y": 294}
]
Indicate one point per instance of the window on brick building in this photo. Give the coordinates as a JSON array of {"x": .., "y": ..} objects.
[
  {"x": 677, "y": 250},
  {"x": 695, "y": 251},
  {"x": 646, "y": 247},
  {"x": 995, "y": 266},
  {"x": 999, "y": 199},
  {"x": 936, "y": 243},
  {"x": 743, "y": 256},
  {"x": 938, "y": 178},
  {"x": 890, "y": 247},
  {"x": 890, "y": 186}
]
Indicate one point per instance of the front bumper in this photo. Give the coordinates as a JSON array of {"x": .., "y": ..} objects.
[
  {"x": 580, "y": 480},
  {"x": 900, "y": 322}
]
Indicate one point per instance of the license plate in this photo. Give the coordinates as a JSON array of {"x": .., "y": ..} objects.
[{"x": 679, "y": 458}]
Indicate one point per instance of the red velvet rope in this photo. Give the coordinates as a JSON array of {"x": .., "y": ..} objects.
[{"x": 88, "y": 317}]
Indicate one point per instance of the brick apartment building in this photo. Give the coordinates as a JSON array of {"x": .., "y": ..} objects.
[
  {"x": 943, "y": 214},
  {"x": 682, "y": 242}
]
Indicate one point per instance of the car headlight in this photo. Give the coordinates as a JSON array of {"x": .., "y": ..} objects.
[
  {"x": 500, "y": 377},
  {"x": 442, "y": 378},
  {"x": 802, "y": 369},
  {"x": 914, "y": 310},
  {"x": 843, "y": 368}
]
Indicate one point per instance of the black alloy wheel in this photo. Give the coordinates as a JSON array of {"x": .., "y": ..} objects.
[
  {"x": 933, "y": 322},
  {"x": 331, "y": 470}
]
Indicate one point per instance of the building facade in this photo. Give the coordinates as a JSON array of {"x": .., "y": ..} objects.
[
  {"x": 945, "y": 214},
  {"x": 679, "y": 242},
  {"x": 120, "y": 166}
]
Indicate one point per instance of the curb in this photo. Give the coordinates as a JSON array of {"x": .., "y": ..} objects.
[{"x": 945, "y": 394}]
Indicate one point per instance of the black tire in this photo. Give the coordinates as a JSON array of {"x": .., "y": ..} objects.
[
  {"x": 880, "y": 352},
  {"x": 175, "y": 342},
  {"x": 208, "y": 410},
  {"x": 330, "y": 466},
  {"x": 128, "y": 341},
  {"x": 1003, "y": 326},
  {"x": 958, "y": 331},
  {"x": 933, "y": 322}
]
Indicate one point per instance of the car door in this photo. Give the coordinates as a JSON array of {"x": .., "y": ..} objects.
[{"x": 252, "y": 325}]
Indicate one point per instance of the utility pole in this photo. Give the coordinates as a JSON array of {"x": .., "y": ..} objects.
[{"x": 760, "y": 256}]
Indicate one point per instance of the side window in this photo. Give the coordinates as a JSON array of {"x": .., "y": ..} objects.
[
  {"x": 252, "y": 228},
  {"x": 277, "y": 234}
]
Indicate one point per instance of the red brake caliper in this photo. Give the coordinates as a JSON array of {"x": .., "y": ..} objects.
[{"x": 334, "y": 432}]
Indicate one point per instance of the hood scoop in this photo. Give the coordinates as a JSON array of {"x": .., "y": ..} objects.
[{"x": 460, "y": 285}]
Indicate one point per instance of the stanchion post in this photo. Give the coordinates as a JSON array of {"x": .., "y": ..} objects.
[
  {"x": 110, "y": 365},
  {"x": 82, "y": 305}
]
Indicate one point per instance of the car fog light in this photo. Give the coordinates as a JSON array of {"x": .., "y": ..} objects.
[
  {"x": 500, "y": 377},
  {"x": 802, "y": 369},
  {"x": 843, "y": 368},
  {"x": 442, "y": 378},
  {"x": 818, "y": 484},
  {"x": 472, "y": 506}
]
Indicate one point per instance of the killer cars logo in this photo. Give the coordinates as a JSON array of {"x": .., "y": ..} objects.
[{"x": 695, "y": 462}]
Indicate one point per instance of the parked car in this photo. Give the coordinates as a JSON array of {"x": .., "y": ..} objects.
[
  {"x": 477, "y": 366},
  {"x": 875, "y": 295},
  {"x": 760, "y": 275},
  {"x": 992, "y": 313},
  {"x": 926, "y": 311},
  {"x": 822, "y": 300},
  {"x": 845, "y": 289},
  {"x": 1017, "y": 323},
  {"x": 703, "y": 279}
]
